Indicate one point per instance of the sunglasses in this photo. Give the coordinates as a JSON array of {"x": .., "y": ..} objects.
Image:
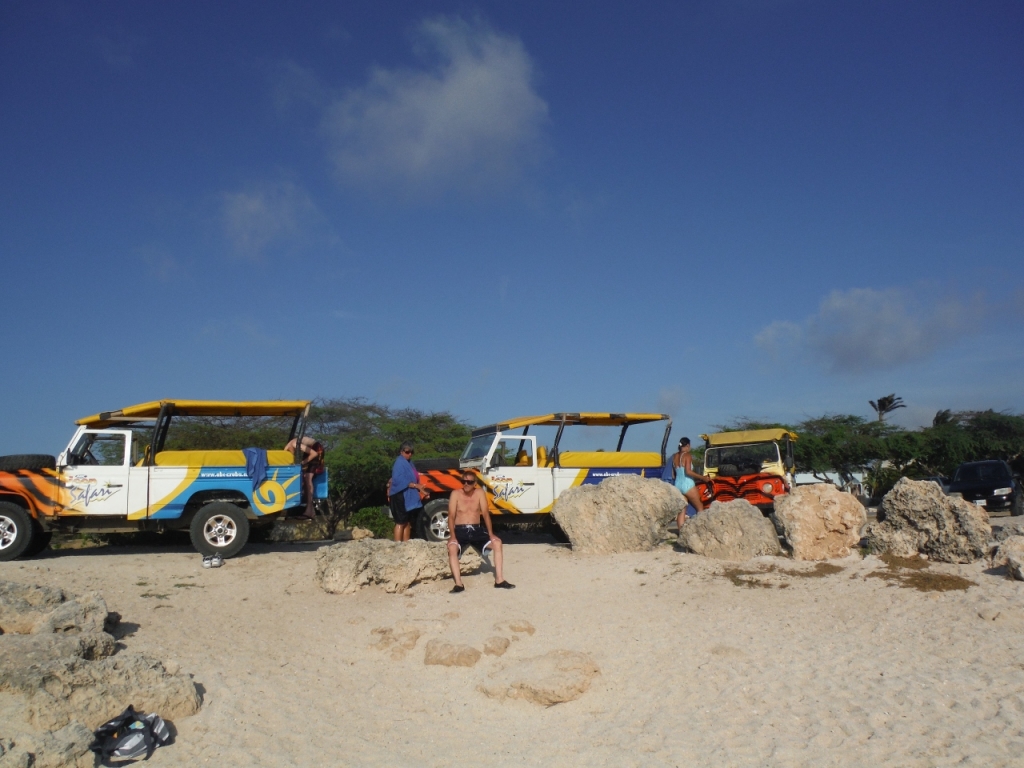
[
  {"x": 468, "y": 482},
  {"x": 407, "y": 453}
]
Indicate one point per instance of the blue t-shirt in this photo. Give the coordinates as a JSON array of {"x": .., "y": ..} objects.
[{"x": 402, "y": 473}]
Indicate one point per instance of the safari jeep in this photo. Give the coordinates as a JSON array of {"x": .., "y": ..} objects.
[
  {"x": 523, "y": 476},
  {"x": 756, "y": 465},
  {"x": 115, "y": 476}
]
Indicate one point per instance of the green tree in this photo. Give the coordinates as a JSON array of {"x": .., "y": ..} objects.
[{"x": 362, "y": 441}]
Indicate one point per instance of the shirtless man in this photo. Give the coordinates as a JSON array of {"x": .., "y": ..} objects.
[{"x": 465, "y": 507}]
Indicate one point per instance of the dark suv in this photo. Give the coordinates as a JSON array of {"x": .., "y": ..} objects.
[{"x": 990, "y": 484}]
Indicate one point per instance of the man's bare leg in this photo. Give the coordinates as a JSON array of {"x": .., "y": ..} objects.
[
  {"x": 453, "y": 561},
  {"x": 496, "y": 548},
  {"x": 401, "y": 532}
]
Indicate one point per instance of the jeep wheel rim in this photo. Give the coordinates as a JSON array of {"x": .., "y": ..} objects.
[
  {"x": 219, "y": 531},
  {"x": 439, "y": 525},
  {"x": 8, "y": 532}
]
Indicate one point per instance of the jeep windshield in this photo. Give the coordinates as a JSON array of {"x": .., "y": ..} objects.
[
  {"x": 478, "y": 447},
  {"x": 741, "y": 459}
]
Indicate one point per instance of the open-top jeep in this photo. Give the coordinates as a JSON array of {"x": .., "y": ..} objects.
[
  {"x": 523, "y": 476},
  {"x": 115, "y": 476},
  {"x": 756, "y": 465}
]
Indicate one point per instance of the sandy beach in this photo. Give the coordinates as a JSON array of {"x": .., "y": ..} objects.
[{"x": 765, "y": 663}]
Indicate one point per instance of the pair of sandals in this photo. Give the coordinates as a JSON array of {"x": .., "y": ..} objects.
[{"x": 213, "y": 561}]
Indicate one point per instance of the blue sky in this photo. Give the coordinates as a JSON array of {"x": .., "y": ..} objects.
[{"x": 764, "y": 208}]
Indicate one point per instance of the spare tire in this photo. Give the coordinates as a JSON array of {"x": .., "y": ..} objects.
[{"x": 27, "y": 461}]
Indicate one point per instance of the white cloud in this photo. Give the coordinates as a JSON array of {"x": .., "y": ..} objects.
[
  {"x": 863, "y": 329},
  {"x": 472, "y": 119},
  {"x": 268, "y": 217}
]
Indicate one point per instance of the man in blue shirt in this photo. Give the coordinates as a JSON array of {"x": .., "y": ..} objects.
[{"x": 404, "y": 490}]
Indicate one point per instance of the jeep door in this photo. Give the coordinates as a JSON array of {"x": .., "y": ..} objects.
[
  {"x": 513, "y": 474},
  {"x": 96, "y": 474}
]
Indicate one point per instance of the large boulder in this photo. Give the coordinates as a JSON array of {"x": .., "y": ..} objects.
[
  {"x": 732, "y": 530},
  {"x": 625, "y": 513},
  {"x": 346, "y": 567},
  {"x": 1011, "y": 555},
  {"x": 819, "y": 522},
  {"x": 915, "y": 517},
  {"x": 1012, "y": 527}
]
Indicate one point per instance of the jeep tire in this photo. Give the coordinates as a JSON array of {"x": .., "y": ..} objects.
[
  {"x": 219, "y": 529},
  {"x": 17, "y": 529},
  {"x": 27, "y": 461},
  {"x": 435, "y": 520}
]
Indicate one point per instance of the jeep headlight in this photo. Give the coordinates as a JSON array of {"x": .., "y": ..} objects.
[
  {"x": 766, "y": 488},
  {"x": 1002, "y": 491}
]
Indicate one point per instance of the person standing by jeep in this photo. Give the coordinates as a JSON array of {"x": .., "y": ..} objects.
[
  {"x": 465, "y": 508},
  {"x": 404, "y": 490}
]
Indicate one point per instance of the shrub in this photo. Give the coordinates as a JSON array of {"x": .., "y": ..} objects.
[{"x": 374, "y": 519}]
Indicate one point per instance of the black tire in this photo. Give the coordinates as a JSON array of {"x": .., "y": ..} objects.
[
  {"x": 27, "y": 461},
  {"x": 40, "y": 540},
  {"x": 435, "y": 520},
  {"x": 17, "y": 529},
  {"x": 1018, "y": 504},
  {"x": 219, "y": 529}
]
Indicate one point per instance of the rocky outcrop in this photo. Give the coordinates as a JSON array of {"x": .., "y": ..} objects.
[
  {"x": 1010, "y": 554},
  {"x": 819, "y": 522},
  {"x": 554, "y": 678},
  {"x": 915, "y": 517},
  {"x": 93, "y": 692},
  {"x": 625, "y": 513},
  {"x": 345, "y": 568},
  {"x": 26, "y": 609},
  {"x": 447, "y": 654},
  {"x": 732, "y": 530},
  {"x": 66, "y": 748},
  {"x": 55, "y": 655},
  {"x": 317, "y": 529}
]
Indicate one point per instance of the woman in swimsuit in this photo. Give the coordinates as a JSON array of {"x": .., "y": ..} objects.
[{"x": 682, "y": 465}]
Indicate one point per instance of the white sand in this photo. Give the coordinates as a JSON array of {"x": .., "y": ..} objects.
[{"x": 840, "y": 670}]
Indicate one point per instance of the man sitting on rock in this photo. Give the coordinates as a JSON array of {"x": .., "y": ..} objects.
[{"x": 465, "y": 508}]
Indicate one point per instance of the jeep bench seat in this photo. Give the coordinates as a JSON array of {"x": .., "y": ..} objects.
[
  {"x": 593, "y": 459},
  {"x": 218, "y": 458}
]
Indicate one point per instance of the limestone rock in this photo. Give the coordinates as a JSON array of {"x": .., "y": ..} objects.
[
  {"x": 733, "y": 530},
  {"x": 19, "y": 652},
  {"x": 358, "y": 534},
  {"x": 317, "y": 529},
  {"x": 819, "y": 522},
  {"x": 554, "y": 678},
  {"x": 519, "y": 626},
  {"x": 496, "y": 646},
  {"x": 1011, "y": 554},
  {"x": 66, "y": 748},
  {"x": 28, "y": 609},
  {"x": 450, "y": 655},
  {"x": 346, "y": 567},
  {"x": 1012, "y": 527},
  {"x": 915, "y": 517},
  {"x": 625, "y": 513},
  {"x": 92, "y": 692}
]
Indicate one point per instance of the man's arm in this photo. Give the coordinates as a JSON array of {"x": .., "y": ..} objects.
[{"x": 481, "y": 501}]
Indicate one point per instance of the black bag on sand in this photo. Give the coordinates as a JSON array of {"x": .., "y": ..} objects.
[{"x": 130, "y": 736}]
